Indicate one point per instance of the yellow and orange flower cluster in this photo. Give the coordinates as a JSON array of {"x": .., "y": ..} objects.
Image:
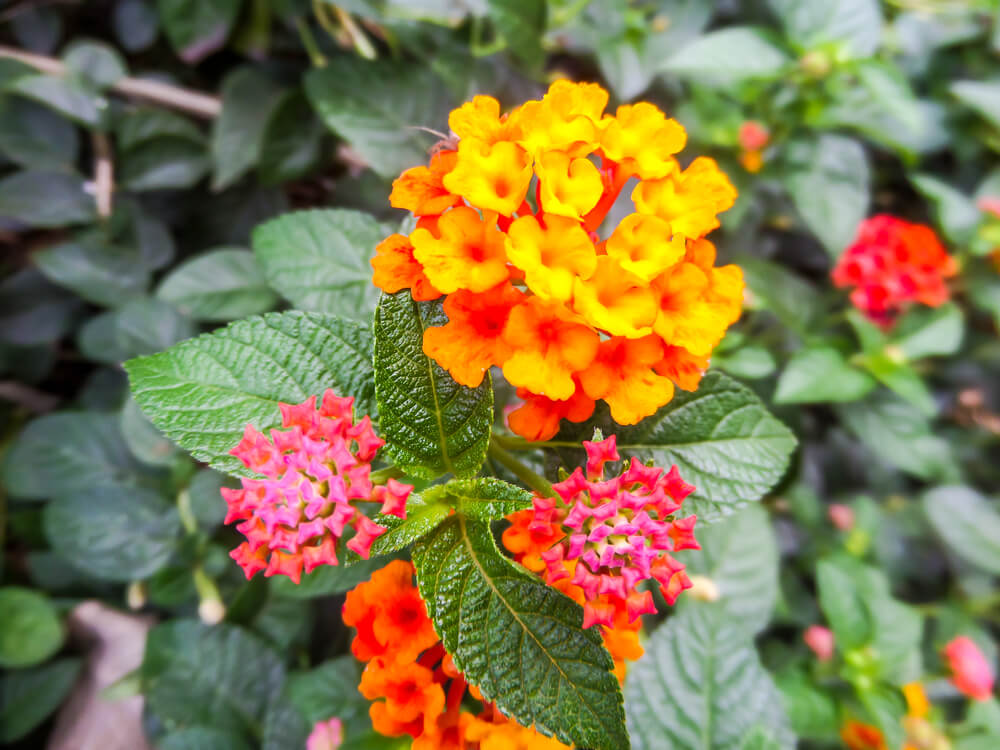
[
  {"x": 509, "y": 218},
  {"x": 412, "y": 681}
]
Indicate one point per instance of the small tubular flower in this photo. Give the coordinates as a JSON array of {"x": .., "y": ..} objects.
[
  {"x": 421, "y": 190},
  {"x": 645, "y": 246},
  {"x": 682, "y": 367},
  {"x": 643, "y": 141},
  {"x": 970, "y": 672},
  {"x": 481, "y": 119},
  {"x": 538, "y": 417},
  {"x": 396, "y": 269},
  {"x": 314, "y": 469},
  {"x": 614, "y": 300},
  {"x": 568, "y": 187},
  {"x": 472, "y": 340},
  {"x": 820, "y": 640},
  {"x": 549, "y": 345},
  {"x": 551, "y": 255},
  {"x": 689, "y": 200},
  {"x": 568, "y": 118},
  {"x": 466, "y": 252},
  {"x": 505, "y": 734},
  {"x": 622, "y": 374},
  {"x": 494, "y": 176},
  {"x": 326, "y": 735},
  {"x": 893, "y": 264}
]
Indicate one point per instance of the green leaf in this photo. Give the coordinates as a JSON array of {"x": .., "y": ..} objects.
[
  {"x": 810, "y": 23},
  {"x": 759, "y": 738},
  {"x": 968, "y": 523},
  {"x": 35, "y": 311},
  {"x": 929, "y": 331},
  {"x": 903, "y": 380},
  {"x": 828, "y": 181},
  {"x": 727, "y": 57},
  {"x": 136, "y": 24},
  {"x": 886, "y": 711},
  {"x": 423, "y": 515},
  {"x": 248, "y": 99},
  {"x": 518, "y": 639},
  {"x": 29, "y": 696},
  {"x": 46, "y": 199},
  {"x": 843, "y": 605},
  {"x": 722, "y": 439},
  {"x": 145, "y": 442},
  {"x": 219, "y": 285},
  {"x": 982, "y": 97},
  {"x": 142, "y": 125},
  {"x": 700, "y": 686},
  {"x": 203, "y": 392},
  {"x": 202, "y": 738},
  {"x": 378, "y": 106},
  {"x": 100, "y": 273},
  {"x": 35, "y": 137},
  {"x": 66, "y": 96},
  {"x": 113, "y": 533},
  {"x": 219, "y": 676},
  {"x": 956, "y": 213},
  {"x": 30, "y": 630},
  {"x": 330, "y": 689},
  {"x": 197, "y": 28},
  {"x": 67, "y": 451},
  {"x": 521, "y": 23},
  {"x": 431, "y": 424},
  {"x": 819, "y": 375},
  {"x": 812, "y": 711},
  {"x": 319, "y": 259},
  {"x": 207, "y": 505},
  {"x": 142, "y": 326},
  {"x": 168, "y": 163},
  {"x": 749, "y": 362},
  {"x": 329, "y": 579},
  {"x": 97, "y": 63},
  {"x": 792, "y": 299},
  {"x": 740, "y": 555},
  {"x": 292, "y": 144},
  {"x": 482, "y": 499}
]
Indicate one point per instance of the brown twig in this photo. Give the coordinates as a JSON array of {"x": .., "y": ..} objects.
[
  {"x": 193, "y": 102},
  {"x": 104, "y": 179}
]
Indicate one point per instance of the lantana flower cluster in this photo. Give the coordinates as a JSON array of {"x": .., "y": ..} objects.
[
  {"x": 314, "y": 471},
  {"x": 892, "y": 264},
  {"x": 509, "y": 217},
  {"x": 414, "y": 685}
]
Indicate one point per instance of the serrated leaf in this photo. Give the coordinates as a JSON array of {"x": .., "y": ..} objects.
[
  {"x": 519, "y": 640},
  {"x": 203, "y": 392},
  {"x": 700, "y": 686},
  {"x": 319, "y": 259},
  {"x": 113, "y": 533},
  {"x": 431, "y": 424},
  {"x": 722, "y": 439},
  {"x": 422, "y": 517},
  {"x": 968, "y": 523},
  {"x": 220, "y": 676},
  {"x": 819, "y": 375},
  {"x": 740, "y": 555},
  {"x": 483, "y": 499},
  {"x": 378, "y": 108},
  {"x": 222, "y": 284}
]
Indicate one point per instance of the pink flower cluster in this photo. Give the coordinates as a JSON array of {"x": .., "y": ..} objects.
[
  {"x": 970, "y": 672},
  {"x": 314, "y": 469},
  {"x": 619, "y": 531}
]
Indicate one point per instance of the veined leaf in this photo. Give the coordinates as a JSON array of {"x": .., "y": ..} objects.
[
  {"x": 723, "y": 440},
  {"x": 519, "y": 640},
  {"x": 202, "y": 392},
  {"x": 431, "y": 424}
]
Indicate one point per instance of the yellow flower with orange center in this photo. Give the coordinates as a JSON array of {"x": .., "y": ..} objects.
[{"x": 571, "y": 310}]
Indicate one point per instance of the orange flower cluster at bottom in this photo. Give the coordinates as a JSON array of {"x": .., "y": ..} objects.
[{"x": 412, "y": 681}]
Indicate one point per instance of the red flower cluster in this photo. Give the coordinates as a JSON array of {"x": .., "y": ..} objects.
[{"x": 893, "y": 263}]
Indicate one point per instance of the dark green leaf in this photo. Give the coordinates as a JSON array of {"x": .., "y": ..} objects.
[
  {"x": 319, "y": 259},
  {"x": 35, "y": 137},
  {"x": 329, "y": 579},
  {"x": 903, "y": 380},
  {"x": 843, "y": 605},
  {"x": 136, "y": 24},
  {"x": 29, "y": 696},
  {"x": 482, "y": 499},
  {"x": 423, "y": 515},
  {"x": 793, "y": 300},
  {"x": 968, "y": 523},
  {"x": 521, "y": 23},
  {"x": 812, "y": 711},
  {"x": 202, "y": 738},
  {"x": 207, "y": 505},
  {"x": 197, "y": 28},
  {"x": 219, "y": 676},
  {"x": 330, "y": 689},
  {"x": 980, "y": 96},
  {"x": 929, "y": 332},
  {"x": 33, "y": 310},
  {"x": 378, "y": 107},
  {"x": 820, "y": 375},
  {"x": 66, "y": 96},
  {"x": 700, "y": 686},
  {"x": 168, "y": 163},
  {"x": 145, "y": 441},
  {"x": 100, "y": 273},
  {"x": 46, "y": 199},
  {"x": 248, "y": 100},
  {"x": 139, "y": 126},
  {"x": 30, "y": 630},
  {"x": 957, "y": 214},
  {"x": 204, "y": 391},
  {"x": 292, "y": 144},
  {"x": 722, "y": 439},
  {"x": 219, "y": 285},
  {"x": 518, "y": 639},
  {"x": 431, "y": 424},
  {"x": 97, "y": 63}
]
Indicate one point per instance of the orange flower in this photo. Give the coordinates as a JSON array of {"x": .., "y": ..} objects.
[
  {"x": 466, "y": 252},
  {"x": 615, "y": 300},
  {"x": 643, "y": 140},
  {"x": 644, "y": 246},
  {"x": 388, "y": 613},
  {"x": 622, "y": 374},
  {"x": 506, "y": 734},
  {"x": 528, "y": 541},
  {"x": 551, "y": 255},
  {"x": 410, "y": 693},
  {"x": 568, "y": 118},
  {"x": 396, "y": 269},
  {"x": 682, "y": 367},
  {"x": 494, "y": 177},
  {"x": 538, "y": 418},
  {"x": 568, "y": 187},
  {"x": 549, "y": 344},
  {"x": 858, "y": 736},
  {"x": 472, "y": 342},
  {"x": 481, "y": 119},
  {"x": 689, "y": 200},
  {"x": 421, "y": 190}
]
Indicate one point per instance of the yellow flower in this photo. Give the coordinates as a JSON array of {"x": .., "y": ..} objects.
[
  {"x": 568, "y": 118},
  {"x": 689, "y": 200},
  {"x": 493, "y": 177},
  {"x": 569, "y": 187},
  {"x": 552, "y": 255},
  {"x": 643, "y": 246},
  {"x": 480, "y": 120},
  {"x": 643, "y": 140},
  {"x": 615, "y": 300},
  {"x": 466, "y": 252}
]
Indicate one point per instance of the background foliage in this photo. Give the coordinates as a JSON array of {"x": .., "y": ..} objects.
[{"x": 146, "y": 149}]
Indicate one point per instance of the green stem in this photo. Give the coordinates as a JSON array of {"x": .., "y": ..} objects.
[
  {"x": 384, "y": 475},
  {"x": 513, "y": 443},
  {"x": 535, "y": 481},
  {"x": 185, "y": 512},
  {"x": 309, "y": 42}
]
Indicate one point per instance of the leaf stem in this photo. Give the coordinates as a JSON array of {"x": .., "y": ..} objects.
[
  {"x": 535, "y": 481},
  {"x": 381, "y": 476},
  {"x": 513, "y": 443},
  {"x": 317, "y": 58}
]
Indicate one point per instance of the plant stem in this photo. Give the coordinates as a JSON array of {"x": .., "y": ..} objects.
[
  {"x": 512, "y": 443},
  {"x": 317, "y": 58},
  {"x": 384, "y": 475},
  {"x": 535, "y": 481}
]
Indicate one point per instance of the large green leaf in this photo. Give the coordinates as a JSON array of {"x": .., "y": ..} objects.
[
  {"x": 929, "y": 332},
  {"x": 956, "y": 213},
  {"x": 222, "y": 284},
  {"x": 968, "y": 523},
  {"x": 248, "y": 99},
  {"x": 35, "y": 137},
  {"x": 740, "y": 555},
  {"x": 46, "y": 199},
  {"x": 28, "y": 696},
  {"x": 518, "y": 639},
  {"x": 727, "y": 57},
  {"x": 319, "y": 259},
  {"x": 113, "y": 533},
  {"x": 818, "y": 375},
  {"x": 981, "y": 96},
  {"x": 857, "y": 24},
  {"x": 30, "y": 630},
  {"x": 432, "y": 425},
  {"x": 67, "y": 96},
  {"x": 220, "y": 676},
  {"x": 100, "y": 273},
  {"x": 700, "y": 686},
  {"x": 202, "y": 392},
  {"x": 378, "y": 107},
  {"x": 722, "y": 439},
  {"x": 843, "y": 606}
]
